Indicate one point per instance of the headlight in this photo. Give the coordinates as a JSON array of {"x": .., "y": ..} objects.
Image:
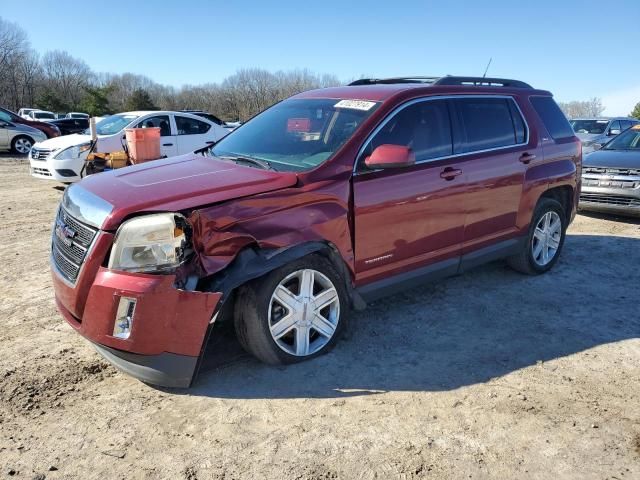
[
  {"x": 73, "y": 152},
  {"x": 151, "y": 243}
]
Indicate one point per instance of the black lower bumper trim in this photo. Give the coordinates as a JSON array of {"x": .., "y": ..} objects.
[{"x": 164, "y": 370}]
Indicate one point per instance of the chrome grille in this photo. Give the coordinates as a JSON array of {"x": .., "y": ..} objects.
[
  {"x": 626, "y": 178},
  {"x": 69, "y": 244},
  {"x": 610, "y": 199},
  {"x": 40, "y": 153},
  {"x": 611, "y": 171}
]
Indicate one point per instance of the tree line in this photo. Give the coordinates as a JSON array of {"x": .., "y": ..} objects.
[{"x": 58, "y": 82}]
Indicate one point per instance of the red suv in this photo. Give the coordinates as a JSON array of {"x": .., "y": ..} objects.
[{"x": 317, "y": 205}]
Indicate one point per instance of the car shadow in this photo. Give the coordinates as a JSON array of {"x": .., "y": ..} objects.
[
  {"x": 611, "y": 217},
  {"x": 461, "y": 331}
]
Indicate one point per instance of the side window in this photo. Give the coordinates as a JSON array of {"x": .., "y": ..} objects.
[
  {"x": 5, "y": 117},
  {"x": 160, "y": 121},
  {"x": 424, "y": 127},
  {"x": 191, "y": 126},
  {"x": 487, "y": 123},
  {"x": 557, "y": 124},
  {"x": 625, "y": 124}
]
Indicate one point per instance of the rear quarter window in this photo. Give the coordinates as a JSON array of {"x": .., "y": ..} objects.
[{"x": 549, "y": 112}]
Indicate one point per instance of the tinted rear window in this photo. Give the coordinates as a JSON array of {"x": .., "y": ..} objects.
[
  {"x": 552, "y": 117},
  {"x": 489, "y": 123}
]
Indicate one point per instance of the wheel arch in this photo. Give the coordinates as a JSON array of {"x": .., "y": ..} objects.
[
  {"x": 253, "y": 262},
  {"x": 564, "y": 195},
  {"x": 18, "y": 137}
]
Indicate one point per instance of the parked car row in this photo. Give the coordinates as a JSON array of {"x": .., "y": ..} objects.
[
  {"x": 62, "y": 159},
  {"x": 595, "y": 132},
  {"x": 45, "y": 115}
]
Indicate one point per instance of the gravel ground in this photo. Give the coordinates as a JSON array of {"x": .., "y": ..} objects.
[{"x": 487, "y": 375}]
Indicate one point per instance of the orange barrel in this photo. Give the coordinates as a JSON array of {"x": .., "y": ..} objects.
[{"x": 143, "y": 143}]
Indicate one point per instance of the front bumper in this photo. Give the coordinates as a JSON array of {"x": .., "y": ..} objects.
[
  {"x": 67, "y": 171},
  {"x": 620, "y": 201},
  {"x": 169, "y": 326}
]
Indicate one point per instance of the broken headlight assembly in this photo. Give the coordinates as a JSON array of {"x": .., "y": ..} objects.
[{"x": 151, "y": 243}]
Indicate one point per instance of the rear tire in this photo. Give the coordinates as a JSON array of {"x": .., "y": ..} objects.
[
  {"x": 294, "y": 313},
  {"x": 544, "y": 240},
  {"x": 21, "y": 145}
]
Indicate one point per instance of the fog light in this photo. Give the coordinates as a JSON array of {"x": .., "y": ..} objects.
[{"x": 124, "y": 317}]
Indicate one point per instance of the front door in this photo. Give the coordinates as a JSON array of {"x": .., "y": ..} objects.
[{"x": 410, "y": 217}]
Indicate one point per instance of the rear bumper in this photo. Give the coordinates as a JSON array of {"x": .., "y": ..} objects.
[{"x": 169, "y": 325}]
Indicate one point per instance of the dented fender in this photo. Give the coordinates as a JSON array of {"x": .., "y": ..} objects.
[{"x": 303, "y": 217}]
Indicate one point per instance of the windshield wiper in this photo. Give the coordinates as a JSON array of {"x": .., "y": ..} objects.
[{"x": 251, "y": 161}]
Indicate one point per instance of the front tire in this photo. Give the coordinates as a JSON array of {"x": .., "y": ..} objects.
[
  {"x": 21, "y": 145},
  {"x": 545, "y": 239},
  {"x": 294, "y": 313}
]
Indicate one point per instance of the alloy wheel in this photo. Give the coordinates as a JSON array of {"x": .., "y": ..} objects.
[
  {"x": 546, "y": 238},
  {"x": 23, "y": 145},
  {"x": 304, "y": 311}
]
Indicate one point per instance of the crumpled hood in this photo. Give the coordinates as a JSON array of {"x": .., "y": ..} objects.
[
  {"x": 179, "y": 183},
  {"x": 613, "y": 159}
]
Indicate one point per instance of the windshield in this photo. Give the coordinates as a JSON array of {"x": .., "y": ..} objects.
[
  {"x": 297, "y": 134},
  {"x": 43, "y": 115},
  {"x": 595, "y": 127},
  {"x": 112, "y": 124},
  {"x": 629, "y": 140}
]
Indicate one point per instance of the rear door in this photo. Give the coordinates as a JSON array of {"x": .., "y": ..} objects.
[
  {"x": 411, "y": 217},
  {"x": 496, "y": 152},
  {"x": 193, "y": 134}
]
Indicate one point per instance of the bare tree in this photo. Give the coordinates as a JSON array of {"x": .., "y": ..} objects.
[
  {"x": 588, "y": 108},
  {"x": 65, "y": 78}
]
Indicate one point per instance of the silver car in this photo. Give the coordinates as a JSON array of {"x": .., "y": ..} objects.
[
  {"x": 19, "y": 138},
  {"x": 595, "y": 132},
  {"x": 611, "y": 176}
]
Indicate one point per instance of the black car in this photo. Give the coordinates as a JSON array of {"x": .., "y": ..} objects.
[{"x": 71, "y": 125}]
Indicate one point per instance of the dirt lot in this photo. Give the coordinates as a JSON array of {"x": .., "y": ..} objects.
[{"x": 487, "y": 375}]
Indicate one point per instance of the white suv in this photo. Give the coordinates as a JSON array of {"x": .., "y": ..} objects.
[{"x": 62, "y": 158}]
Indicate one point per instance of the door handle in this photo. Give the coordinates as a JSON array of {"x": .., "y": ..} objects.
[
  {"x": 450, "y": 173},
  {"x": 527, "y": 157},
  {"x": 167, "y": 144}
]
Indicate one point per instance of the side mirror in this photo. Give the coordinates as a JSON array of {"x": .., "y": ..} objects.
[
  {"x": 597, "y": 146},
  {"x": 614, "y": 131},
  {"x": 390, "y": 156},
  {"x": 4, "y": 124}
]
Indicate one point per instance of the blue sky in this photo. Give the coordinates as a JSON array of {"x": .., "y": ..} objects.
[{"x": 575, "y": 49}]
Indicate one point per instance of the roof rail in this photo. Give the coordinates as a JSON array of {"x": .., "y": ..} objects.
[
  {"x": 377, "y": 81},
  {"x": 481, "y": 82},
  {"x": 446, "y": 80}
]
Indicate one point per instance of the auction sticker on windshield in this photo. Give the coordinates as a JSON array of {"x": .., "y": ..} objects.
[{"x": 355, "y": 104}]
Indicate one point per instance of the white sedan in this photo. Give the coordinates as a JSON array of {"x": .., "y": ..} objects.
[{"x": 62, "y": 158}]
